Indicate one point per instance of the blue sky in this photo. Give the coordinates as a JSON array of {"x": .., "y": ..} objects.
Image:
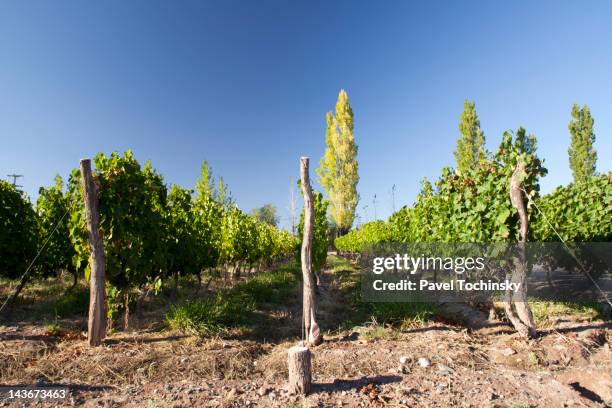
[{"x": 246, "y": 84}]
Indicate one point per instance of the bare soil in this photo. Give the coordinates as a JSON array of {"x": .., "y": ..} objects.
[{"x": 433, "y": 364}]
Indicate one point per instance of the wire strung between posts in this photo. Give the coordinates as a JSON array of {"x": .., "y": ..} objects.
[
  {"x": 38, "y": 254},
  {"x": 603, "y": 294}
]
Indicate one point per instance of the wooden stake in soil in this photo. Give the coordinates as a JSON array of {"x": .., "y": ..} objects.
[
  {"x": 300, "y": 378},
  {"x": 96, "y": 327},
  {"x": 312, "y": 333}
]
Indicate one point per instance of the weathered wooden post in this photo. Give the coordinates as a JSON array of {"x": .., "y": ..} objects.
[
  {"x": 96, "y": 327},
  {"x": 300, "y": 378},
  {"x": 522, "y": 320},
  {"x": 311, "y": 328}
]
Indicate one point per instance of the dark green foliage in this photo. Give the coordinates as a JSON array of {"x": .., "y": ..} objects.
[
  {"x": 579, "y": 212},
  {"x": 132, "y": 207},
  {"x": 18, "y": 232},
  {"x": 183, "y": 249},
  {"x": 51, "y": 207}
]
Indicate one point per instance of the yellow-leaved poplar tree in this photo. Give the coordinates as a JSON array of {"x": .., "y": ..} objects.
[{"x": 338, "y": 169}]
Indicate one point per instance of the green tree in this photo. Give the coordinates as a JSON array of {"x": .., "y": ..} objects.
[
  {"x": 470, "y": 149},
  {"x": 223, "y": 193},
  {"x": 18, "y": 231},
  {"x": 205, "y": 186},
  {"x": 582, "y": 155},
  {"x": 266, "y": 214},
  {"x": 338, "y": 170},
  {"x": 319, "y": 233}
]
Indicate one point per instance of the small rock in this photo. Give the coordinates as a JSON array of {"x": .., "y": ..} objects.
[
  {"x": 404, "y": 359},
  {"x": 444, "y": 369},
  {"x": 507, "y": 352},
  {"x": 423, "y": 362},
  {"x": 272, "y": 395},
  {"x": 263, "y": 391}
]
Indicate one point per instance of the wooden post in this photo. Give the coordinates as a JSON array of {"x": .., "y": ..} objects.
[
  {"x": 300, "y": 378},
  {"x": 311, "y": 328},
  {"x": 522, "y": 320},
  {"x": 96, "y": 327}
]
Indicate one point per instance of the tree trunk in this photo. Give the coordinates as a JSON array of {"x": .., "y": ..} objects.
[
  {"x": 300, "y": 378},
  {"x": 522, "y": 320},
  {"x": 96, "y": 327},
  {"x": 311, "y": 328}
]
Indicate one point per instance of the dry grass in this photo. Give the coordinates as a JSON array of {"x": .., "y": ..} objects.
[{"x": 127, "y": 360}]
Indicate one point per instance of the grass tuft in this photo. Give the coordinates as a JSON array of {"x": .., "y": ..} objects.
[
  {"x": 74, "y": 302},
  {"x": 205, "y": 317},
  {"x": 403, "y": 313},
  {"x": 269, "y": 287},
  {"x": 233, "y": 308},
  {"x": 546, "y": 312}
]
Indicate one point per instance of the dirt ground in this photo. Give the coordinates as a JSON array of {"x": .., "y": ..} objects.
[{"x": 432, "y": 364}]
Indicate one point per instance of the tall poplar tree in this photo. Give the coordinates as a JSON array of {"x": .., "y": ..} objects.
[
  {"x": 338, "y": 170},
  {"x": 582, "y": 155},
  {"x": 205, "y": 185},
  {"x": 470, "y": 146}
]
